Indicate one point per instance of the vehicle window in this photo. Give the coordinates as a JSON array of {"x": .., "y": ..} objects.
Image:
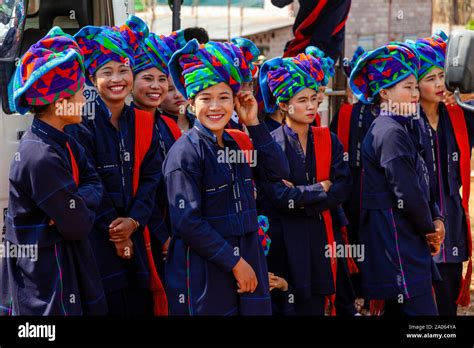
[{"x": 12, "y": 16}]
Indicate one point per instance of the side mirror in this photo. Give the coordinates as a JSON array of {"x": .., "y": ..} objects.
[
  {"x": 12, "y": 16},
  {"x": 459, "y": 64}
]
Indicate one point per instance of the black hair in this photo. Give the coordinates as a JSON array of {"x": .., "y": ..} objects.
[
  {"x": 197, "y": 33},
  {"x": 377, "y": 99},
  {"x": 375, "y": 107},
  {"x": 39, "y": 110}
]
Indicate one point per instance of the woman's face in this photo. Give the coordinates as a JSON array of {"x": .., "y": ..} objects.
[
  {"x": 70, "y": 109},
  {"x": 402, "y": 98},
  {"x": 214, "y": 106},
  {"x": 174, "y": 103},
  {"x": 432, "y": 88},
  {"x": 150, "y": 88},
  {"x": 302, "y": 107},
  {"x": 113, "y": 81}
]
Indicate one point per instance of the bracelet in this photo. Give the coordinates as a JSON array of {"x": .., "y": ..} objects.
[
  {"x": 136, "y": 224},
  {"x": 440, "y": 218}
]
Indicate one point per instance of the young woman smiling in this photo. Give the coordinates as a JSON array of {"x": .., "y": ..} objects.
[
  {"x": 215, "y": 264},
  {"x": 123, "y": 146}
]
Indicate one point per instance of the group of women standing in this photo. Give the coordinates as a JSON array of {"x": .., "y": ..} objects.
[{"x": 136, "y": 212}]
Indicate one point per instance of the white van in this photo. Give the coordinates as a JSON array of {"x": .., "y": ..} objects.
[{"x": 22, "y": 23}]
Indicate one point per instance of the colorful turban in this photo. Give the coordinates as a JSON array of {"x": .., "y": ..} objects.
[
  {"x": 101, "y": 45},
  {"x": 282, "y": 78},
  {"x": 432, "y": 51},
  {"x": 263, "y": 226},
  {"x": 52, "y": 68},
  {"x": 326, "y": 63},
  {"x": 251, "y": 53},
  {"x": 348, "y": 65},
  {"x": 160, "y": 48},
  {"x": 135, "y": 31},
  {"x": 383, "y": 68},
  {"x": 199, "y": 66}
]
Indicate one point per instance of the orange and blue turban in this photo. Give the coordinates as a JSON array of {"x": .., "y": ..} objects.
[
  {"x": 101, "y": 45},
  {"x": 432, "y": 51},
  {"x": 52, "y": 68}
]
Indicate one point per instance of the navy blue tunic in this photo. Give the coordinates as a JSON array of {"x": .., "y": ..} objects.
[
  {"x": 282, "y": 302},
  {"x": 361, "y": 119},
  {"x": 271, "y": 123},
  {"x": 396, "y": 212},
  {"x": 442, "y": 157},
  {"x": 64, "y": 280},
  {"x": 297, "y": 229},
  {"x": 214, "y": 223},
  {"x": 112, "y": 153}
]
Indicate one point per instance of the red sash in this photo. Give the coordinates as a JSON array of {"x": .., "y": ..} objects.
[
  {"x": 144, "y": 125},
  {"x": 75, "y": 169},
  {"x": 456, "y": 115},
  {"x": 323, "y": 157},
  {"x": 243, "y": 141},
  {"x": 301, "y": 41},
  {"x": 376, "y": 307},
  {"x": 241, "y": 138},
  {"x": 173, "y": 126},
  {"x": 344, "y": 125}
]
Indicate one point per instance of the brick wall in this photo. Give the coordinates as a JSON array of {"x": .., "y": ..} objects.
[
  {"x": 272, "y": 42},
  {"x": 369, "y": 20},
  {"x": 367, "y": 24}
]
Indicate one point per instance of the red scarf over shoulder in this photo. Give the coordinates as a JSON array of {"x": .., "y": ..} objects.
[{"x": 144, "y": 125}]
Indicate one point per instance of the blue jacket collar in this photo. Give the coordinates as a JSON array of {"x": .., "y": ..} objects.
[
  {"x": 402, "y": 119},
  {"x": 44, "y": 130},
  {"x": 105, "y": 110},
  {"x": 292, "y": 133},
  {"x": 207, "y": 133}
]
